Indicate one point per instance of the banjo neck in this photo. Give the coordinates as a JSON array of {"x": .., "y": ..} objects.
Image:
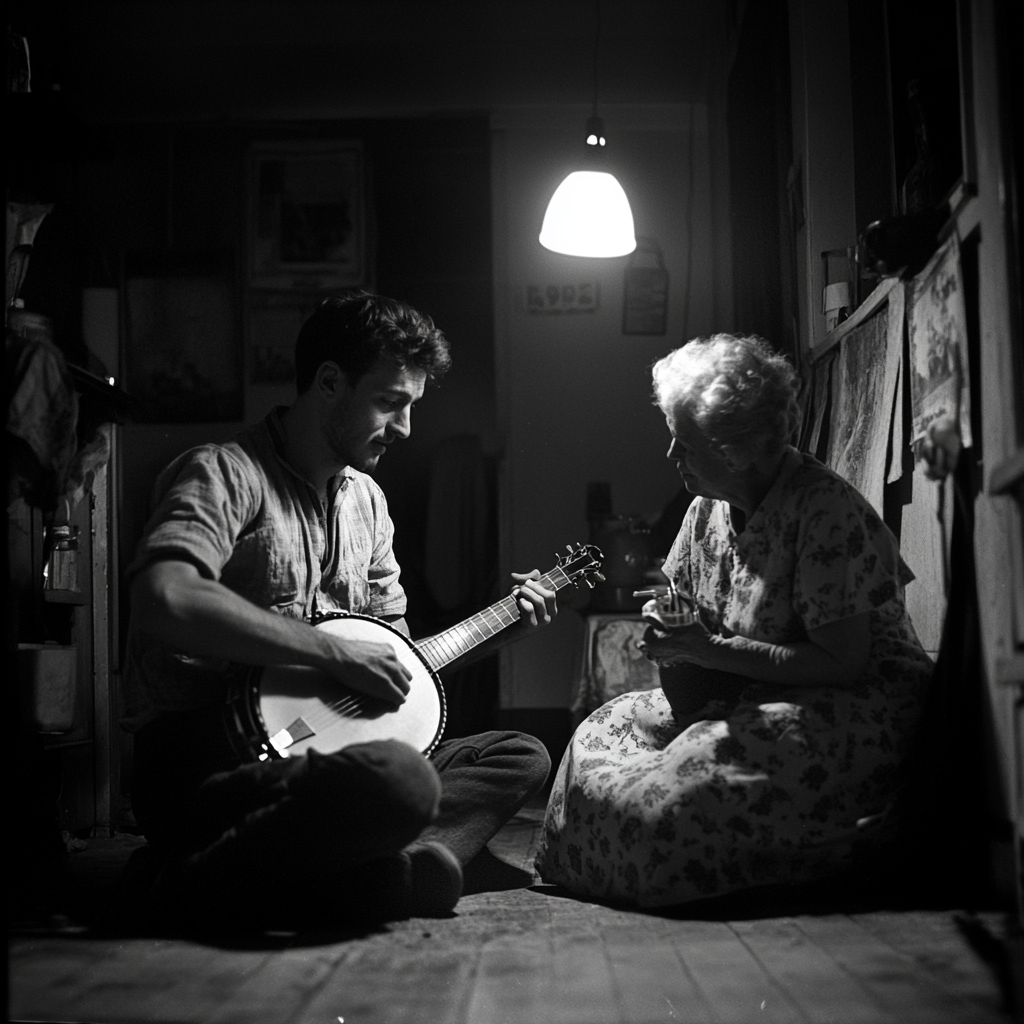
[
  {"x": 444, "y": 647},
  {"x": 285, "y": 710}
]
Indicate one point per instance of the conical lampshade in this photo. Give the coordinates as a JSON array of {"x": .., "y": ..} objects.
[{"x": 589, "y": 215}]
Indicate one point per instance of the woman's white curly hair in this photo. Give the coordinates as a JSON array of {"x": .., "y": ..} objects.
[{"x": 737, "y": 390}]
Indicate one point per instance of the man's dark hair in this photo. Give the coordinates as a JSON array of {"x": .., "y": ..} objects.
[{"x": 356, "y": 330}]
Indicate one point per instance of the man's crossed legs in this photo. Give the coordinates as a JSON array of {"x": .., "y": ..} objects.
[{"x": 372, "y": 832}]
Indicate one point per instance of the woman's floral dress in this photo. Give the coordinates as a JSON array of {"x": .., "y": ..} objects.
[{"x": 780, "y": 784}]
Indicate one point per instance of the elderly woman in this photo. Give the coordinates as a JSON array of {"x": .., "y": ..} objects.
[{"x": 773, "y": 747}]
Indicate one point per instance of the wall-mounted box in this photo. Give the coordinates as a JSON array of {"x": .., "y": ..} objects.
[{"x": 48, "y": 676}]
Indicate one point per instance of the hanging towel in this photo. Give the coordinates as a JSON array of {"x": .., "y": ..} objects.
[
  {"x": 456, "y": 562},
  {"x": 42, "y": 410}
]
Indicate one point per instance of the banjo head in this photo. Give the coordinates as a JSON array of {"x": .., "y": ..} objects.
[{"x": 305, "y": 709}]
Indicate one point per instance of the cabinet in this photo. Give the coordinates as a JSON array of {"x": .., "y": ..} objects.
[{"x": 77, "y": 739}]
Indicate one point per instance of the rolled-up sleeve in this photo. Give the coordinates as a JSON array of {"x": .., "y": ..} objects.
[
  {"x": 386, "y": 595},
  {"x": 202, "y": 503}
]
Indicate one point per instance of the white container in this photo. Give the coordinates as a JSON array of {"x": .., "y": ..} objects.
[
  {"x": 835, "y": 304},
  {"x": 48, "y": 674},
  {"x": 61, "y": 571}
]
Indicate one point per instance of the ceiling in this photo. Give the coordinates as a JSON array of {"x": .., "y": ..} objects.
[{"x": 163, "y": 59}]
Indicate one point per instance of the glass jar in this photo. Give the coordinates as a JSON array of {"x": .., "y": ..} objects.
[{"x": 61, "y": 572}]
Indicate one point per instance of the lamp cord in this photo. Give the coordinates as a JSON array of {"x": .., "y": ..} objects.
[
  {"x": 597, "y": 47},
  {"x": 689, "y": 235}
]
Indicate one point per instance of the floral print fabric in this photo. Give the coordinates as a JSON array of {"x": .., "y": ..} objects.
[{"x": 781, "y": 784}]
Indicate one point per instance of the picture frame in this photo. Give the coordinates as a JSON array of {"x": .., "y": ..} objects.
[
  {"x": 274, "y": 322},
  {"x": 939, "y": 366},
  {"x": 857, "y": 416},
  {"x": 307, "y": 215},
  {"x": 182, "y": 340},
  {"x": 645, "y": 290}
]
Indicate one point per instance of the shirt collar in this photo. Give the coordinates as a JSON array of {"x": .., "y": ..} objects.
[{"x": 275, "y": 431}]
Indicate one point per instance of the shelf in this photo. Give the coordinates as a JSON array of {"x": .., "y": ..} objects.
[
  {"x": 65, "y": 597},
  {"x": 856, "y": 318},
  {"x": 56, "y": 741}
]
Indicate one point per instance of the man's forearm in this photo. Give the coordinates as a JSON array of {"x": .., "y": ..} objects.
[{"x": 204, "y": 618}]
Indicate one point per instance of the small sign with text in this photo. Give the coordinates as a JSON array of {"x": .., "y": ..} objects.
[{"x": 574, "y": 297}]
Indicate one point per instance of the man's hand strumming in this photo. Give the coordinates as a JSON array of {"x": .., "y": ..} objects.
[{"x": 369, "y": 668}]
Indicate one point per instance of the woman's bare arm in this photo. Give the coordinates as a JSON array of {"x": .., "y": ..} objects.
[{"x": 832, "y": 655}]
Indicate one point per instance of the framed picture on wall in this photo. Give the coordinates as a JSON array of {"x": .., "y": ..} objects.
[
  {"x": 275, "y": 319},
  {"x": 645, "y": 290},
  {"x": 307, "y": 217},
  {"x": 183, "y": 352}
]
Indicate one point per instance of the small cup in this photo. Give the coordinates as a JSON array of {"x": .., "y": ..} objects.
[{"x": 660, "y": 609}]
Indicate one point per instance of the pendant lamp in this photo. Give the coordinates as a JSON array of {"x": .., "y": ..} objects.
[{"x": 589, "y": 213}]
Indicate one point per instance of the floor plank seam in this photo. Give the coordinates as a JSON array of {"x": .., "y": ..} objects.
[
  {"x": 466, "y": 1000},
  {"x": 314, "y": 992},
  {"x": 776, "y": 983},
  {"x": 697, "y": 987},
  {"x": 875, "y": 999}
]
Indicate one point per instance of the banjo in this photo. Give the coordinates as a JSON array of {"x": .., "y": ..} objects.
[{"x": 286, "y": 710}]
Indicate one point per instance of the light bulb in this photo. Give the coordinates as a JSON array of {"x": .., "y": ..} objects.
[{"x": 589, "y": 215}]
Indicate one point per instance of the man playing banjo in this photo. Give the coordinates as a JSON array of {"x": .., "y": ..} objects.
[{"x": 250, "y": 541}]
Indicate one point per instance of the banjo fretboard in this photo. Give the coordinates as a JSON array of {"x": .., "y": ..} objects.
[{"x": 443, "y": 648}]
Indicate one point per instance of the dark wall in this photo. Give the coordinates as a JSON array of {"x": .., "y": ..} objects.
[
  {"x": 758, "y": 123},
  {"x": 178, "y": 188},
  {"x": 874, "y": 170},
  {"x": 924, "y": 47}
]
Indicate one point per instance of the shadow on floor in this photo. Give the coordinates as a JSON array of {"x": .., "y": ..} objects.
[{"x": 831, "y": 896}]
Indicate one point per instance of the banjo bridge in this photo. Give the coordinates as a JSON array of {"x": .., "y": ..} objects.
[{"x": 300, "y": 729}]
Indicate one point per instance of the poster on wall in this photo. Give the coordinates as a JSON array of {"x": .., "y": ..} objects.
[
  {"x": 864, "y": 386},
  {"x": 821, "y": 385},
  {"x": 307, "y": 218},
  {"x": 645, "y": 290},
  {"x": 275, "y": 320},
  {"x": 939, "y": 378},
  {"x": 183, "y": 359}
]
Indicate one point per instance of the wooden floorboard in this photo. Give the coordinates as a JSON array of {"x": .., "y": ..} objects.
[
  {"x": 812, "y": 979},
  {"x": 652, "y": 982},
  {"x": 382, "y": 985},
  {"x": 541, "y": 976},
  {"x": 936, "y": 945},
  {"x": 526, "y": 955},
  {"x": 732, "y": 980},
  {"x": 281, "y": 987},
  {"x": 896, "y": 981}
]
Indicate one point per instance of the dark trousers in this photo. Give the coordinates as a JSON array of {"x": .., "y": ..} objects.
[{"x": 335, "y": 824}]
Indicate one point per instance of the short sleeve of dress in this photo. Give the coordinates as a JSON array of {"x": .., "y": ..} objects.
[
  {"x": 202, "y": 502},
  {"x": 847, "y": 559},
  {"x": 677, "y": 563}
]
